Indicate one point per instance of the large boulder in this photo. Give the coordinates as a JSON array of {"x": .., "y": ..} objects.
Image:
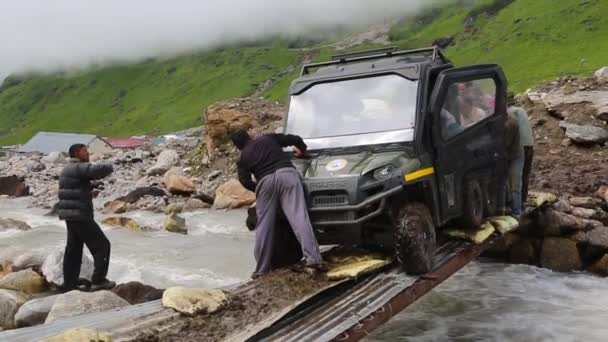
[
  {"x": 35, "y": 311},
  {"x": 556, "y": 223},
  {"x": 13, "y": 224},
  {"x": 585, "y": 134},
  {"x": 232, "y": 195},
  {"x": 80, "y": 335},
  {"x": 76, "y": 303},
  {"x": 26, "y": 281},
  {"x": 124, "y": 222},
  {"x": 180, "y": 185},
  {"x": 191, "y": 302},
  {"x": 135, "y": 292},
  {"x": 560, "y": 255},
  {"x": 10, "y": 302},
  {"x": 175, "y": 224},
  {"x": 523, "y": 252},
  {"x": 222, "y": 121},
  {"x": 13, "y": 186},
  {"x": 54, "y": 158},
  {"x": 597, "y": 237},
  {"x": 165, "y": 161},
  {"x": 602, "y": 74},
  {"x": 52, "y": 268}
]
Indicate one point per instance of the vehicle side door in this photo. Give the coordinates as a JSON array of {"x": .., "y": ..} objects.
[{"x": 468, "y": 110}]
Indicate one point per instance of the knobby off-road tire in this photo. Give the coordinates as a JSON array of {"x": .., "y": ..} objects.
[
  {"x": 415, "y": 238},
  {"x": 473, "y": 206}
]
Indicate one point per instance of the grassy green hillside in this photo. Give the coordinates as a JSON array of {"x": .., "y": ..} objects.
[
  {"x": 148, "y": 97},
  {"x": 534, "y": 40}
]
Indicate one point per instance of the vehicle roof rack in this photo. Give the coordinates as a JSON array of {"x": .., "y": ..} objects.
[{"x": 375, "y": 54}]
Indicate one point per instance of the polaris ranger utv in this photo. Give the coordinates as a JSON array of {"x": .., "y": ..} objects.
[{"x": 400, "y": 143}]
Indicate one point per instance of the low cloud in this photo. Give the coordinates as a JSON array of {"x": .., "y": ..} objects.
[{"x": 43, "y": 35}]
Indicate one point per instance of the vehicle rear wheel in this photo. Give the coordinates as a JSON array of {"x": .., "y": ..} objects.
[
  {"x": 473, "y": 204},
  {"x": 415, "y": 239}
]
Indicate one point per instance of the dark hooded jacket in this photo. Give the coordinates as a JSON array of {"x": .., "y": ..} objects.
[{"x": 75, "y": 189}]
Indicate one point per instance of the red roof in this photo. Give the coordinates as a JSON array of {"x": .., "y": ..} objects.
[{"x": 126, "y": 143}]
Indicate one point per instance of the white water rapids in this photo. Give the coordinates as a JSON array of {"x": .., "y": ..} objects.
[{"x": 485, "y": 301}]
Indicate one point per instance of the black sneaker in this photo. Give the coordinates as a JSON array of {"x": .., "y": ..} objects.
[{"x": 104, "y": 285}]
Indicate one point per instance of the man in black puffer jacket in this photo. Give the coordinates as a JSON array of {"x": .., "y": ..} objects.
[{"x": 75, "y": 206}]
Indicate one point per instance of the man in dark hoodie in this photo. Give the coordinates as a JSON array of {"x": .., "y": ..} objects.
[
  {"x": 75, "y": 206},
  {"x": 277, "y": 186}
]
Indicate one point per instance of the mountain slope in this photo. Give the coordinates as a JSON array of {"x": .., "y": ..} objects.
[{"x": 533, "y": 40}]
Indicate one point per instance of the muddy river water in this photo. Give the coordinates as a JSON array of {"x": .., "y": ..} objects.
[{"x": 485, "y": 301}]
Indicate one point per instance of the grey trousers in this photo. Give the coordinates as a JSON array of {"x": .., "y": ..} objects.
[{"x": 282, "y": 189}]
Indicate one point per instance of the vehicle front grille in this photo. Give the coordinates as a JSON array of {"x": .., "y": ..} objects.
[{"x": 329, "y": 200}]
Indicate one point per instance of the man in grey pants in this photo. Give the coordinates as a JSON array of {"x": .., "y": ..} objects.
[{"x": 278, "y": 187}]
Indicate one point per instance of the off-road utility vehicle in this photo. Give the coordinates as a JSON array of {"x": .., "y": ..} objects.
[{"x": 400, "y": 143}]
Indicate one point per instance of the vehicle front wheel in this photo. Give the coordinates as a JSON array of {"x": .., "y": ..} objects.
[{"x": 415, "y": 239}]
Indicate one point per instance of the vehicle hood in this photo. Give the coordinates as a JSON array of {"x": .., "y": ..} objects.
[{"x": 353, "y": 164}]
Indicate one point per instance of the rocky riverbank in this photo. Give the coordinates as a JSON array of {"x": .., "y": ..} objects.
[{"x": 570, "y": 232}]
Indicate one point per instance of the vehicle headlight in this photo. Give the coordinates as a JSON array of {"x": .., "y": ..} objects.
[{"x": 384, "y": 172}]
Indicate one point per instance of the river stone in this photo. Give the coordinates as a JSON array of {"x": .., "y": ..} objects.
[
  {"x": 560, "y": 255},
  {"x": 80, "y": 335},
  {"x": 195, "y": 204},
  {"x": 124, "y": 222},
  {"x": 523, "y": 252},
  {"x": 135, "y": 292},
  {"x": 175, "y": 224},
  {"x": 165, "y": 161},
  {"x": 503, "y": 244},
  {"x": 232, "y": 195},
  {"x": 52, "y": 268},
  {"x": 173, "y": 208},
  {"x": 13, "y": 224},
  {"x": 584, "y": 213},
  {"x": 76, "y": 303},
  {"x": 584, "y": 202},
  {"x": 190, "y": 301},
  {"x": 30, "y": 259},
  {"x": 10, "y": 302},
  {"x": 35, "y": 311},
  {"x": 602, "y": 193},
  {"x": 180, "y": 185},
  {"x": 116, "y": 207},
  {"x": 600, "y": 267},
  {"x": 585, "y": 134},
  {"x": 26, "y": 281},
  {"x": 36, "y": 167},
  {"x": 597, "y": 237}
]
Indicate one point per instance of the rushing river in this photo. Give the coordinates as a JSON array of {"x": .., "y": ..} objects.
[{"x": 483, "y": 302}]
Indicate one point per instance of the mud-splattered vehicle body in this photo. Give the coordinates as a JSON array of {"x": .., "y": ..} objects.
[{"x": 400, "y": 142}]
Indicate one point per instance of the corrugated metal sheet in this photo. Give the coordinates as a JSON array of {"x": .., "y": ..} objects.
[{"x": 47, "y": 142}]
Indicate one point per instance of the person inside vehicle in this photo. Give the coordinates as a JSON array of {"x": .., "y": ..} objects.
[
  {"x": 278, "y": 185},
  {"x": 470, "y": 114},
  {"x": 75, "y": 207}
]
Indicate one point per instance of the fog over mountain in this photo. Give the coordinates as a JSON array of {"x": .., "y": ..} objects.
[{"x": 42, "y": 35}]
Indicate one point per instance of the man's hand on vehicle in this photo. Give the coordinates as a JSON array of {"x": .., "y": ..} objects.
[{"x": 297, "y": 152}]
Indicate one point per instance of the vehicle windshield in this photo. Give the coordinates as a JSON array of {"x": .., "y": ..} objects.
[{"x": 365, "y": 111}]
